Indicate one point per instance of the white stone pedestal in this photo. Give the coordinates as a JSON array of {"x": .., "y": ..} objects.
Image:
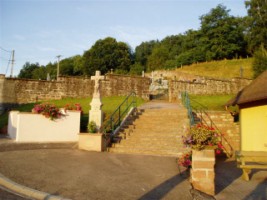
[{"x": 96, "y": 114}]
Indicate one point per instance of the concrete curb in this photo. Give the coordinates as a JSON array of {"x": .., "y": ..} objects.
[{"x": 26, "y": 191}]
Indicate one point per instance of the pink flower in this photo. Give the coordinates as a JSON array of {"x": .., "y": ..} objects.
[{"x": 218, "y": 151}]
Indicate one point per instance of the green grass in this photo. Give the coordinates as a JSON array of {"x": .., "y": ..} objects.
[
  {"x": 221, "y": 69},
  {"x": 109, "y": 105},
  {"x": 210, "y": 102}
]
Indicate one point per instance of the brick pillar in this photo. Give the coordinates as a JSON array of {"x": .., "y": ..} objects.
[{"x": 202, "y": 172}]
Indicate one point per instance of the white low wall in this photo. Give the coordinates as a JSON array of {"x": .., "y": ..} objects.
[{"x": 30, "y": 127}]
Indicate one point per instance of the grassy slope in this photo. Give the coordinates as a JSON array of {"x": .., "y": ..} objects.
[
  {"x": 210, "y": 102},
  {"x": 221, "y": 69}
]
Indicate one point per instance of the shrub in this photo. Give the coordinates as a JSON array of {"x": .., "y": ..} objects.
[{"x": 92, "y": 127}]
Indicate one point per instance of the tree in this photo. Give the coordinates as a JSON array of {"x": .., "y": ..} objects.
[
  {"x": 66, "y": 66},
  {"x": 51, "y": 69},
  {"x": 136, "y": 69},
  {"x": 158, "y": 58},
  {"x": 107, "y": 54},
  {"x": 257, "y": 24},
  {"x": 39, "y": 73},
  {"x": 27, "y": 70},
  {"x": 222, "y": 34},
  {"x": 143, "y": 51},
  {"x": 260, "y": 61}
]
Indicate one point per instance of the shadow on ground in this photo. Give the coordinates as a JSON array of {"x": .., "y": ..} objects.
[
  {"x": 226, "y": 173},
  {"x": 161, "y": 190}
]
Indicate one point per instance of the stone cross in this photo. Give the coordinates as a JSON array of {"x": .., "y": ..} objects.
[
  {"x": 97, "y": 79},
  {"x": 96, "y": 114}
]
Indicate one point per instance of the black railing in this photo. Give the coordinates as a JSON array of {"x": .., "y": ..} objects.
[{"x": 115, "y": 119}]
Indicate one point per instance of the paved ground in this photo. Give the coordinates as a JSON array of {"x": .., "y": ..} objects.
[{"x": 82, "y": 175}]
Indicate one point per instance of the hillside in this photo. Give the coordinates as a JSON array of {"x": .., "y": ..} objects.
[{"x": 220, "y": 69}]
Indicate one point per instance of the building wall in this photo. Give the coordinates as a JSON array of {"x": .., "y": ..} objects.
[{"x": 254, "y": 128}]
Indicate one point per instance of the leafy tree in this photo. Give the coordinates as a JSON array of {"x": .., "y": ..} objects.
[
  {"x": 143, "y": 51},
  {"x": 107, "y": 54},
  {"x": 257, "y": 24},
  {"x": 260, "y": 61},
  {"x": 158, "y": 58},
  {"x": 39, "y": 73},
  {"x": 51, "y": 69},
  {"x": 222, "y": 36},
  {"x": 66, "y": 66},
  {"x": 78, "y": 62},
  {"x": 27, "y": 70},
  {"x": 136, "y": 69}
]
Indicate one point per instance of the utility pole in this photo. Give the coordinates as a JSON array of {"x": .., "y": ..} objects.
[
  {"x": 12, "y": 62},
  {"x": 58, "y": 60}
]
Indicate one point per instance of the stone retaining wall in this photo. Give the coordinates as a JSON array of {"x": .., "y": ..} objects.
[
  {"x": 206, "y": 86},
  {"x": 19, "y": 91}
]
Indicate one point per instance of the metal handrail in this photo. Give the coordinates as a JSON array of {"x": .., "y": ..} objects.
[
  {"x": 187, "y": 104},
  {"x": 203, "y": 111},
  {"x": 116, "y": 117}
]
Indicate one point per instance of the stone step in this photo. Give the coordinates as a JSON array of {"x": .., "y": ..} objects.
[
  {"x": 152, "y": 132},
  {"x": 174, "y": 153}
]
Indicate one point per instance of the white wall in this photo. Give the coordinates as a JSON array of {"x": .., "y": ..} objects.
[
  {"x": 12, "y": 124},
  {"x": 37, "y": 128}
]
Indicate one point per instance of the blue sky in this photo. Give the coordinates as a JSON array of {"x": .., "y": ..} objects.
[{"x": 39, "y": 30}]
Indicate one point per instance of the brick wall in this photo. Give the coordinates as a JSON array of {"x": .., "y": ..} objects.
[{"x": 230, "y": 129}]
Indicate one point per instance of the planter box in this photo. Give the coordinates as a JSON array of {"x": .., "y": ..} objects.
[
  {"x": 30, "y": 127},
  {"x": 202, "y": 171},
  {"x": 92, "y": 142}
]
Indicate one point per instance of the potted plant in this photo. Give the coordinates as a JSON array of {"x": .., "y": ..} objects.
[
  {"x": 204, "y": 142},
  {"x": 91, "y": 141}
]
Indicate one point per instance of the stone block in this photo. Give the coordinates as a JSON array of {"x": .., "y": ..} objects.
[
  {"x": 203, "y": 164},
  {"x": 92, "y": 142}
]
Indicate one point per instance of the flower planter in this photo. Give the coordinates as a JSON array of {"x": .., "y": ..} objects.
[
  {"x": 30, "y": 127},
  {"x": 92, "y": 142},
  {"x": 202, "y": 171}
]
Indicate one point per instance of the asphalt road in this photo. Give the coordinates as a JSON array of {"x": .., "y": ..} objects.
[{"x": 82, "y": 175}]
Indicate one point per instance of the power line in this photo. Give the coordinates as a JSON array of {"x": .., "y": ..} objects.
[
  {"x": 8, "y": 64},
  {"x": 5, "y": 50},
  {"x": 3, "y": 58}
]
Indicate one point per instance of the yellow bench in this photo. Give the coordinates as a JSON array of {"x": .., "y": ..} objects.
[{"x": 247, "y": 160}]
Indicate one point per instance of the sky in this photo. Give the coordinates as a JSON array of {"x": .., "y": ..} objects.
[{"x": 40, "y": 30}]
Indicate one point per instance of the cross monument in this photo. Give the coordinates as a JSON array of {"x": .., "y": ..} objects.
[{"x": 96, "y": 114}]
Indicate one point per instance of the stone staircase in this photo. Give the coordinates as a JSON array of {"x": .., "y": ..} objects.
[{"x": 156, "y": 129}]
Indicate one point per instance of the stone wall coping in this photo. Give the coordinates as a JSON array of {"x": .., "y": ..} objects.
[{"x": 133, "y": 76}]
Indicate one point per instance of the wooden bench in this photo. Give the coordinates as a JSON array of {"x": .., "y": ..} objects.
[{"x": 247, "y": 160}]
